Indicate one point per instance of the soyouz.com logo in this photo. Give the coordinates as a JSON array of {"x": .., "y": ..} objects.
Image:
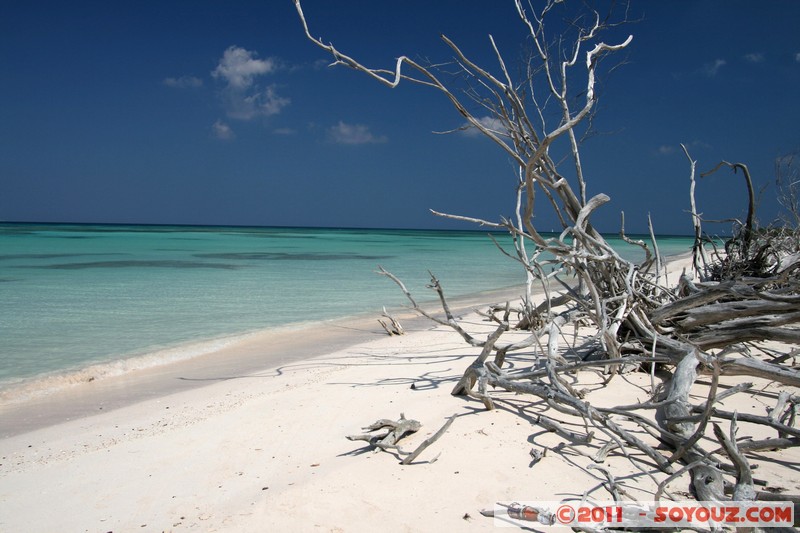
[{"x": 644, "y": 514}]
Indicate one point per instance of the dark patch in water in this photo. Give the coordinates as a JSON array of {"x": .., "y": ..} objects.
[
  {"x": 290, "y": 236},
  {"x": 283, "y": 256},
  {"x": 8, "y": 280},
  {"x": 15, "y": 232},
  {"x": 139, "y": 264},
  {"x": 50, "y": 256}
]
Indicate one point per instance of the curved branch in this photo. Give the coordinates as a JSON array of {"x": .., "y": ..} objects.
[{"x": 751, "y": 196}]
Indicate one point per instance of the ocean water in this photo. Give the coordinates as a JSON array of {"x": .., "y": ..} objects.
[{"x": 80, "y": 295}]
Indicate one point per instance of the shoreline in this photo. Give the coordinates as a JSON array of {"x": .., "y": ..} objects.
[{"x": 55, "y": 398}]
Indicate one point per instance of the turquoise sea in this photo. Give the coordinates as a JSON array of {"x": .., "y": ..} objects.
[{"x": 80, "y": 295}]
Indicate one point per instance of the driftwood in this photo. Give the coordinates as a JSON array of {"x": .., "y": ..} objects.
[
  {"x": 391, "y": 431},
  {"x": 427, "y": 442},
  {"x": 393, "y": 327},
  {"x": 740, "y": 292}
]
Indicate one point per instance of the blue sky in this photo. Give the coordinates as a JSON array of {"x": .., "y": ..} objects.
[{"x": 212, "y": 112}]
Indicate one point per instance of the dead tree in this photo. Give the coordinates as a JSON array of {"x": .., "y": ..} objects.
[{"x": 641, "y": 320}]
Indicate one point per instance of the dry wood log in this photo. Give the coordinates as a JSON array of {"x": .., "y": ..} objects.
[
  {"x": 553, "y": 426},
  {"x": 427, "y": 442},
  {"x": 471, "y": 374},
  {"x": 744, "y": 366},
  {"x": 743, "y": 491},
  {"x": 701, "y": 427},
  {"x": 746, "y": 417},
  {"x": 768, "y": 444},
  {"x": 705, "y": 296},
  {"x": 721, "y": 337},
  {"x": 693, "y": 319},
  {"x": 389, "y": 433},
  {"x": 393, "y": 327},
  {"x": 706, "y": 481}
]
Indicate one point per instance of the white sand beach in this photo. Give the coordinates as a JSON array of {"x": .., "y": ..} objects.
[
  {"x": 266, "y": 450},
  {"x": 207, "y": 207}
]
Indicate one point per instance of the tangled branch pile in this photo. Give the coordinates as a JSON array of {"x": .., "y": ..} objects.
[{"x": 712, "y": 323}]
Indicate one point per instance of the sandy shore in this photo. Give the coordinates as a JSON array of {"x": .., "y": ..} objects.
[
  {"x": 63, "y": 397},
  {"x": 265, "y": 450}
]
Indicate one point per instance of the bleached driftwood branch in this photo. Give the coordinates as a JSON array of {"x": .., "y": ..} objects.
[{"x": 748, "y": 294}]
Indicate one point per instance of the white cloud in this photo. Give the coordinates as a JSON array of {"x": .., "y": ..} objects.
[
  {"x": 665, "y": 149},
  {"x": 222, "y": 131},
  {"x": 797, "y": 57},
  {"x": 491, "y": 123},
  {"x": 284, "y": 131},
  {"x": 755, "y": 57},
  {"x": 247, "y": 106},
  {"x": 669, "y": 149},
  {"x": 239, "y": 67},
  {"x": 702, "y": 145},
  {"x": 184, "y": 82},
  {"x": 243, "y": 97},
  {"x": 711, "y": 69},
  {"x": 344, "y": 133}
]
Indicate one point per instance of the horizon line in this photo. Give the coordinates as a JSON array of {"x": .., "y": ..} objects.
[{"x": 310, "y": 227}]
